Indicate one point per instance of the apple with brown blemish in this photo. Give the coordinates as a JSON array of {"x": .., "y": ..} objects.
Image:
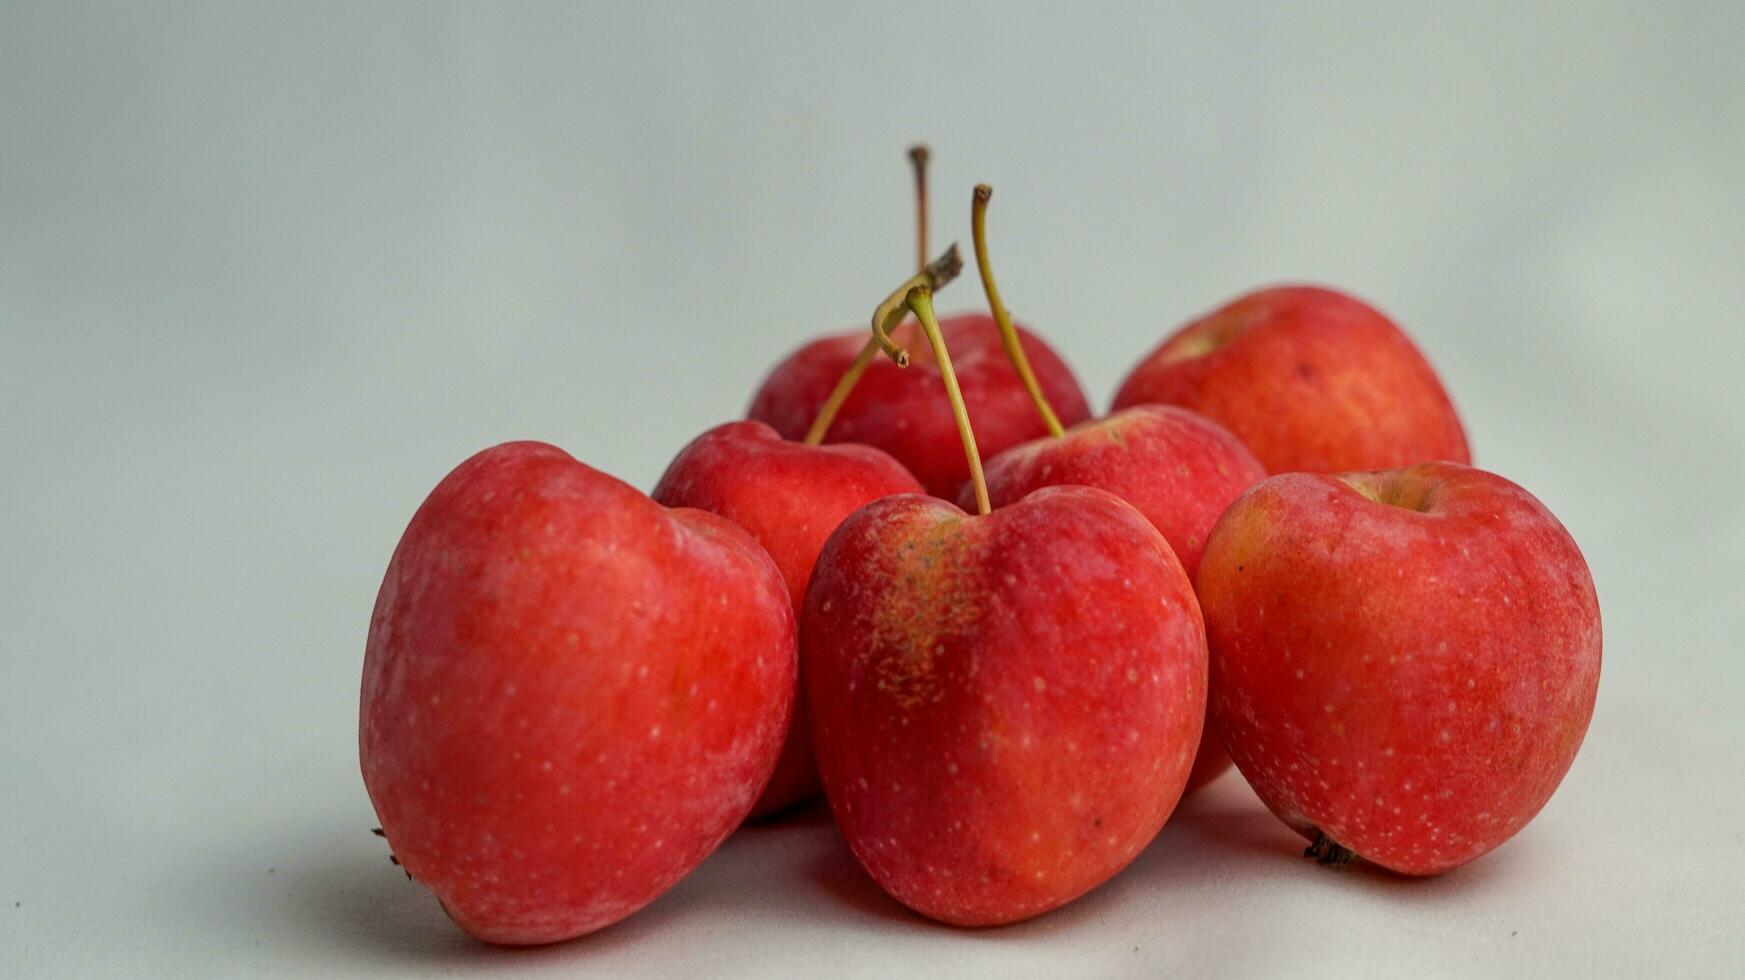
[
  {"x": 1176, "y": 467},
  {"x": 571, "y": 694},
  {"x": 1403, "y": 662},
  {"x": 1005, "y": 706},
  {"x": 1310, "y": 379}
]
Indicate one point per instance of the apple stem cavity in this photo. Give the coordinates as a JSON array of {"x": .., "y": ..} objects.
[
  {"x": 1328, "y": 853},
  {"x": 933, "y": 275},
  {"x": 917, "y": 298},
  {"x": 978, "y": 217}
]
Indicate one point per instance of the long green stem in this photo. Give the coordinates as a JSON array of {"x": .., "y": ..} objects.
[{"x": 1008, "y": 333}]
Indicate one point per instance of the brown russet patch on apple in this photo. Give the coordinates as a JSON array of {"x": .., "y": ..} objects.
[
  {"x": 679, "y": 695},
  {"x": 935, "y": 598}
]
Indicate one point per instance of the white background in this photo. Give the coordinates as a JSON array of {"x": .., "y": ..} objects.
[{"x": 267, "y": 273}]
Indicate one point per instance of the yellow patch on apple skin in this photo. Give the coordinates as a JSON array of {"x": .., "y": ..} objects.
[
  {"x": 1112, "y": 426},
  {"x": 1207, "y": 336},
  {"x": 1409, "y": 488},
  {"x": 1240, "y": 536},
  {"x": 932, "y": 597}
]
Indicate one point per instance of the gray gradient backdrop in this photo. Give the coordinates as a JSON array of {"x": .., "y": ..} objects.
[{"x": 268, "y": 271}]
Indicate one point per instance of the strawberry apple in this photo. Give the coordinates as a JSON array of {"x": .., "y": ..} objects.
[
  {"x": 1005, "y": 706},
  {"x": 571, "y": 694},
  {"x": 1403, "y": 662}
]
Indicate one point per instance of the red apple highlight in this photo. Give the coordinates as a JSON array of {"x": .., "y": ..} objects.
[
  {"x": 1404, "y": 662},
  {"x": 571, "y": 694}
]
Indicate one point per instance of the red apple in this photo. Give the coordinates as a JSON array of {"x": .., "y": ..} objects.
[
  {"x": 1005, "y": 706},
  {"x": 1177, "y": 468},
  {"x": 571, "y": 694},
  {"x": 789, "y": 496},
  {"x": 1310, "y": 379},
  {"x": 1403, "y": 662},
  {"x": 904, "y": 413}
]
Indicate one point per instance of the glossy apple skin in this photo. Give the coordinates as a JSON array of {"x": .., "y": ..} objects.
[
  {"x": 1176, "y": 467},
  {"x": 571, "y": 694},
  {"x": 789, "y": 496},
  {"x": 903, "y": 411},
  {"x": 1405, "y": 660},
  {"x": 1310, "y": 379},
  {"x": 1005, "y": 708}
]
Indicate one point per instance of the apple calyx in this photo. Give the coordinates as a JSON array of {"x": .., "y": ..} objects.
[
  {"x": 932, "y": 276},
  {"x": 1008, "y": 335},
  {"x": 1328, "y": 853},
  {"x": 917, "y": 297}
]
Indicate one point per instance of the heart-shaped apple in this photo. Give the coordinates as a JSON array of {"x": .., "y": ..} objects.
[{"x": 571, "y": 694}]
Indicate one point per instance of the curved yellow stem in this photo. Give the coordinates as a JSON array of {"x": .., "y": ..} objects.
[
  {"x": 919, "y": 300},
  {"x": 839, "y": 394},
  {"x": 932, "y": 275},
  {"x": 1008, "y": 333}
]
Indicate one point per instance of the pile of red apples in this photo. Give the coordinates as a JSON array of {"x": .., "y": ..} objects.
[{"x": 1003, "y": 677}]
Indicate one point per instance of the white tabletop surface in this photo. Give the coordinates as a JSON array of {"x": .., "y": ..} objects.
[{"x": 266, "y": 273}]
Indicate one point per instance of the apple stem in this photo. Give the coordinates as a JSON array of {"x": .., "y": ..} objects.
[
  {"x": 1008, "y": 333},
  {"x": 933, "y": 275},
  {"x": 1327, "y": 852},
  {"x": 918, "y": 157},
  {"x": 918, "y": 299}
]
